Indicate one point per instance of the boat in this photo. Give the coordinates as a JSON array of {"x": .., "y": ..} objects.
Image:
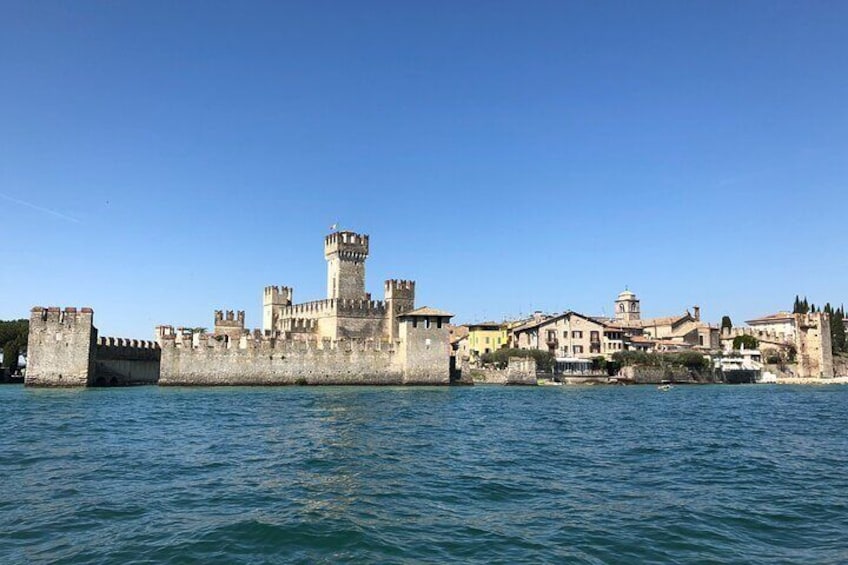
[{"x": 664, "y": 388}]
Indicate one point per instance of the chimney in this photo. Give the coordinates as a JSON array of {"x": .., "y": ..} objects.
[
  {"x": 697, "y": 310},
  {"x": 537, "y": 316}
]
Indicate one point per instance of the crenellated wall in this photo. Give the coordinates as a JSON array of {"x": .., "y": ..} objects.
[
  {"x": 124, "y": 362},
  {"x": 64, "y": 350},
  {"x": 269, "y": 361}
]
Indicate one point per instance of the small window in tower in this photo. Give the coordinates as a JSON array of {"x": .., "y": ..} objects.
[{"x": 427, "y": 323}]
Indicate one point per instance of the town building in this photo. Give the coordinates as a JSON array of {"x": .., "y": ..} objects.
[
  {"x": 486, "y": 337},
  {"x": 569, "y": 334}
]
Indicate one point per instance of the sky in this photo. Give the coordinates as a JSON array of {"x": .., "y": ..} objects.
[{"x": 161, "y": 160}]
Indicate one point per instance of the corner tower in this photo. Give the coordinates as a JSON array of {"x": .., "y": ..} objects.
[
  {"x": 346, "y": 253},
  {"x": 627, "y": 307}
]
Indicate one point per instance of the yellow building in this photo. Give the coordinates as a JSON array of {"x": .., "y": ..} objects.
[{"x": 486, "y": 338}]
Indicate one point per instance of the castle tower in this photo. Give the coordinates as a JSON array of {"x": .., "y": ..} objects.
[
  {"x": 274, "y": 299},
  {"x": 230, "y": 324},
  {"x": 61, "y": 347},
  {"x": 424, "y": 346},
  {"x": 627, "y": 307},
  {"x": 346, "y": 253},
  {"x": 400, "y": 298}
]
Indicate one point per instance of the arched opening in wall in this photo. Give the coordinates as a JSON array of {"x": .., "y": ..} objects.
[{"x": 113, "y": 381}]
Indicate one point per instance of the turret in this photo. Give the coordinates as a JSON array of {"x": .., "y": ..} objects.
[
  {"x": 346, "y": 253},
  {"x": 400, "y": 298},
  {"x": 230, "y": 324},
  {"x": 274, "y": 299}
]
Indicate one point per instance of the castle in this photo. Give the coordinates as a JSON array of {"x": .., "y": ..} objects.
[
  {"x": 347, "y": 338},
  {"x": 348, "y": 312}
]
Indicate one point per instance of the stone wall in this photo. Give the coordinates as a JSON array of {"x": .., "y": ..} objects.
[
  {"x": 424, "y": 349},
  {"x": 815, "y": 356},
  {"x": 60, "y": 347},
  {"x": 279, "y": 362},
  {"x": 521, "y": 371},
  {"x": 64, "y": 350},
  {"x": 657, "y": 375},
  {"x": 124, "y": 362}
]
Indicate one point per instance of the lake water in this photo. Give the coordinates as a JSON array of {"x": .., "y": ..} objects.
[{"x": 745, "y": 474}]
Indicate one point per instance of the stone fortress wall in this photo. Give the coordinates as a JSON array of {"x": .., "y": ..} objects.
[
  {"x": 260, "y": 360},
  {"x": 64, "y": 350}
]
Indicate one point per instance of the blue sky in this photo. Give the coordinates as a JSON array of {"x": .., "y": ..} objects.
[{"x": 159, "y": 160}]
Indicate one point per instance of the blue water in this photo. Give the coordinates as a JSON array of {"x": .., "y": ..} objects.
[{"x": 745, "y": 474}]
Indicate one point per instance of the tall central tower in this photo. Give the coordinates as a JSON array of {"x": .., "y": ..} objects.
[{"x": 346, "y": 253}]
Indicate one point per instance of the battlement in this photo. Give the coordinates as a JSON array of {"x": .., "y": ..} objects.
[
  {"x": 54, "y": 315},
  {"x": 230, "y": 319},
  {"x": 346, "y": 245},
  {"x": 335, "y": 306},
  {"x": 257, "y": 340},
  {"x": 117, "y": 348},
  {"x": 352, "y": 306},
  {"x": 300, "y": 325},
  {"x": 313, "y": 309},
  {"x": 278, "y": 295},
  {"x": 762, "y": 335},
  {"x": 811, "y": 320},
  {"x": 126, "y": 343},
  {"x": 397, "y": 288}
]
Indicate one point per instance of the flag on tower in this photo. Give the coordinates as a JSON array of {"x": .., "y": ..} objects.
[{"x": 334, "y": 227}]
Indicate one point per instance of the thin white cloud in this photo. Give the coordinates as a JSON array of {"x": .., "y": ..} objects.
[{"x": 39, "y": 208}]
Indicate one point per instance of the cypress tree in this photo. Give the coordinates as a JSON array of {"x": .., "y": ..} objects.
[
  {"x": 796, "y": 307},
  {"x": 837, "y": 331}
]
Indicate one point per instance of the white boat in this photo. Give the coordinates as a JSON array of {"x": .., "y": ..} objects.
[{"x": 664, "y": 388}]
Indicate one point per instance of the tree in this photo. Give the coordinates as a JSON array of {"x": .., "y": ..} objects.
[
  {"x": 726, "y": 323},
  {"x": 797, "y": 306},
  {"x": 837, "y": 331},
  {"x": 13, "y": 341},
  {"x": 746, "y": 341}
]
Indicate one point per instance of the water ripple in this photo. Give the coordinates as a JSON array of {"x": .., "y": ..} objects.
[{"x": 477, "y": 475}]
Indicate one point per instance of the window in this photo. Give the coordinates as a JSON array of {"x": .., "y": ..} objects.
[
  {"x": 487, "y": 341},
  {"x": 427, "y": 323},
  {"x": 577, "y": 334},
  {"x": 439, "y": 323},
  {"x": 594, "y": 336},
  {"x": 577, "y": 349},
  {"x": 551, "y": 335}
]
